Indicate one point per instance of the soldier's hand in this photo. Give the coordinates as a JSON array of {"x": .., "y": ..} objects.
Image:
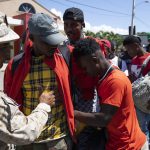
[{"x": 47, "y": 97}]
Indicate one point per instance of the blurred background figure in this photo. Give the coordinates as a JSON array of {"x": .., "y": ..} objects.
[
  {"x": 148, "y": 46},
  {"x": 134, "y": 48},
  {"x": 113, "y": 58}
]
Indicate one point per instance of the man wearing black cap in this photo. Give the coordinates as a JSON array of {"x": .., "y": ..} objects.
[
  {"x": 83, "y": 85},
  {"x": 42, "y": 65},
  {"x": 73, "y": 27},
  {"x": 138, "y": 55},
  {"x": 73, "y": 24}
]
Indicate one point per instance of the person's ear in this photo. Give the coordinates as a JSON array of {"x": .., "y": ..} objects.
[
  {"x": 31, "y": 37},
  {"x": 94, "y": 59},
  {"x": 83, "y": 24},
  {"x": 136, "y": 46}
]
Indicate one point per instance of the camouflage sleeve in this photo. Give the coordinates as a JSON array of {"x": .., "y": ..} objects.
[{"x": 18, "y": 129}]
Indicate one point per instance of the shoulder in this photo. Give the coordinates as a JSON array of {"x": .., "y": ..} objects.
[
  {"x": 140, "y": 58},
  {"x": 114, "y": 88},
  {"x": 66, "y": 45},
  {"x": 16, "y": 58},
  {"x": 7, "y": 100},
  {"x": 116, "y": 79},
  {"x": 135, "y": 60},
  {"x": 19, "y": 56},
  {"x": 9, "y": 103}
]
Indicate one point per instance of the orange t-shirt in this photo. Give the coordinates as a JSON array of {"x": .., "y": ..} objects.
[{"x": 124, "y": 132}]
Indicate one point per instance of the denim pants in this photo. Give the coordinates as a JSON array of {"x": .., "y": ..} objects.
[{"x": 143, "y": 119}]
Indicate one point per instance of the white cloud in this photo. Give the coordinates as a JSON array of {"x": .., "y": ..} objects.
[
  {"x": 61, "y": 26},
  {"x": 105, "y": 28},
  {"x": 56, "y": 12},
  {"x": 91, "y": 27}
]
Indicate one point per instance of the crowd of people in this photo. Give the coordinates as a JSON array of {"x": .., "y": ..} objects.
[{"x": 70, "y": 93}]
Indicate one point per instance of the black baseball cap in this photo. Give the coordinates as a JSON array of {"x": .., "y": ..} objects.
[
  {"x": 132, "y": 39},
  {"x": 74, "y": 14}
]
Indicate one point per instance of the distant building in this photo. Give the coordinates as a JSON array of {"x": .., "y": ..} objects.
[{"x": 17, "y": 7}]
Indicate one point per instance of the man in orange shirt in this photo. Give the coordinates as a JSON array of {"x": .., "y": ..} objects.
[{"x": 117, "y": 112}]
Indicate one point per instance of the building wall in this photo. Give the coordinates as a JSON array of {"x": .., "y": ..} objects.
[{"x": 10, "y": 7}]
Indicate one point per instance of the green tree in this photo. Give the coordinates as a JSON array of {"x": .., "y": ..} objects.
[
  {"x": 89, "y": 33},
  {"x": 116, "y": 38}
]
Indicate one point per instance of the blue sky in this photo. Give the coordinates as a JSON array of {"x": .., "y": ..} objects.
[{"x": 108, "y": 15}]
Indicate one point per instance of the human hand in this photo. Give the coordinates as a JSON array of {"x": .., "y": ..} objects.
[
  {"x": 79, "y": 126},
  {"x": 47, "y": 97},
  {"x": 75, "y": 113}
]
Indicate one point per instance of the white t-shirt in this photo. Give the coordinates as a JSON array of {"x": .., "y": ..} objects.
[{"x": 124, "y": 68}]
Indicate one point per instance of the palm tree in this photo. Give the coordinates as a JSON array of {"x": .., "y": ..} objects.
[{"x": 111, "y": 36}]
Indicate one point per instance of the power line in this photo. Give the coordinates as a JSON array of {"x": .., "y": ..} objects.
[
  {"x": 60, "y": 3},
  {"x": 98, "y": 8},
  {"x": 140, "y": 20},
  {"x": 104, "y": 14},
  {"x": 118, "y": 15},
  {"x": 113, "y": 3},
  {"x": 112, "y": 15}
]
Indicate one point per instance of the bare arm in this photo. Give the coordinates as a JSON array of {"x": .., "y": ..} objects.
[{"x": 101, "y": 119}]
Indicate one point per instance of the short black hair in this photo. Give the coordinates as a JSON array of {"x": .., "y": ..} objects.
[
  {"x": 84, "y": 47},
  {"x": 132, "y": 39}
]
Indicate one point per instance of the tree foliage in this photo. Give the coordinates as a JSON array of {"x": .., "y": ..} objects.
[{"x": 116, "y": 38}]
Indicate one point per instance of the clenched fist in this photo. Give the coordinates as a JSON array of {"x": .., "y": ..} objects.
[{"x": 47, "y": 97}]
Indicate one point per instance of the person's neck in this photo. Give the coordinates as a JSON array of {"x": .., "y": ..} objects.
[
  {"x": 104, "y": 69},
  {"x": 34, "y": 53},
  {"x": 72, "y": 42},
  {"x": 141, "y": 52}
]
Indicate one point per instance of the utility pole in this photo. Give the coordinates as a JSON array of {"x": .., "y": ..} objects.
[{"x": 133, "y": 15}]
